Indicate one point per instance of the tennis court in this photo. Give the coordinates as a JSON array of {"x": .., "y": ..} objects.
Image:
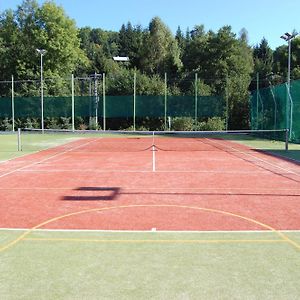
[{"x": 183, "y": 216}]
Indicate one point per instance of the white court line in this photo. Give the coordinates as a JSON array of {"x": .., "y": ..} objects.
[
  {"x": 147, "y": 231},
  {"x": 141, "y": 171},
  {"x": 45, "y": 159},
  {"x": 160, "y": 188},
  {"x": 260, "y": 192},
  {"x": 255, "y": 157}
]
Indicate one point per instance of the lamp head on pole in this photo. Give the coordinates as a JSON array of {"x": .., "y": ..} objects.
[
  {"x": 41, "y": 51},
  {"x": 288, "y": 36}
]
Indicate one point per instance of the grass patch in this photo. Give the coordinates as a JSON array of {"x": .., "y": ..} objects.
[{"x": 57, "y": 265}]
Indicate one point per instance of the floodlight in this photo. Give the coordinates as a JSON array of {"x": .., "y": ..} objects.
[
  {"x": 41, "y": 51},
  {"x": 288, "y": 36}
]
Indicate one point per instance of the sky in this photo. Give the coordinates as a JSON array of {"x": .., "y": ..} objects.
[{"x": 261, "y": 18}]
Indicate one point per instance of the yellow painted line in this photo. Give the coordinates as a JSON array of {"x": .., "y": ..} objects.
[
  {"x": 151, "y": 241},
  {"x": 22, "y": 236}
]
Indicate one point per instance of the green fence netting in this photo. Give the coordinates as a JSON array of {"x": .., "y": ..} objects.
[
  {"x": 277, "y": 107},
  {"x": 5, "y": 107},
  {"x": 114, "y": 106}
]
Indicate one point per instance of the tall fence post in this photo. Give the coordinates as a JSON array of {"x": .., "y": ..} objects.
[
  {"x": 166, "y": 95},
  {"x": 275, "y": 105},
  {"x": 73, "y": 104},
  {"x": 196, "y": 99},
  {"x": 42, "y": 96},
  {"x": 104, "y": 102},
  {"x": 227, "y": 101},
  {"x": 289, "y": 111},
  {"x": 287, "y": 139},
  {"x": 257, "y": 98},
  {"x": 134, "y": 99},
  {"x": 12, "y": 103}
]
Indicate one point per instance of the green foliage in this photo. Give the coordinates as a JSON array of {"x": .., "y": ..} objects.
[
  {"x": 188, "y": 124},
  {"x": 130, "y": 42},
  {"x": 94, "y": 124},
  {"x": 263, "y": 58},
  {"x": 280, "y": 65},
  {"x": 30, "y": 123},
  {"x": 100, "y": 46},
  {"x": 45, "y": 27},
  {"x": 65, "y": 123},
  {"x": 121, "y": 83},
  {"x": 212, "y": 124},
  {"x": 225, "y": 63},
  {"x": 160, "y": 51},
  {"x": 181, "y": 41},
  {"x": 51, "y": 123},
  {"x": 6, "y": 125},
  {"x": 183, "y": 124}
]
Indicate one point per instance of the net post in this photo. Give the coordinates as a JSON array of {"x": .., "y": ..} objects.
[
  {"x": 19, "y": 140},
  {"x": 287, "y": 139},
  {"x": 73, "y": 104},
  {"x": 12, "y": 103},
  {"x": 153, "y": 153},
  {"x": 153, "y": 134}
]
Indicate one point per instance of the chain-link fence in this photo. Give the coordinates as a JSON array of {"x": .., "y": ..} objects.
[
  {"x": 277, "y": 107},
  {"x": 99, "y": 101}
]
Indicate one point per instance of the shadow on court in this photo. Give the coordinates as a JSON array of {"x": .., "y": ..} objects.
[
  {"x": 103, "y": 194},
  {"x": 112, "y": 193},
  {"x": 292, "y": 156}
]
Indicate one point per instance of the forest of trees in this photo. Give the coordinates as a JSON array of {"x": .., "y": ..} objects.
[{"x": 225, "y": 63}]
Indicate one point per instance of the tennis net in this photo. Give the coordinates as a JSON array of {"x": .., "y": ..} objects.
[{"x": 135, "y": 141}]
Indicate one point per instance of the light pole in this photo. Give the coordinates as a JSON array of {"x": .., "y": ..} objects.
[
  {"x": 288, "y": 38},
  {"x": 42, "y": 52}
]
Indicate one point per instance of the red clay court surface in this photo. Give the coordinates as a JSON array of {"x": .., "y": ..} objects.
[{"x": 111, "y": 185}]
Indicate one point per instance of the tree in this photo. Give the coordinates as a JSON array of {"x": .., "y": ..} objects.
[
  {"x": 180, "y": 40},
  {"x": 125, "y": 39},
  {"x": 8, "y": 43},
  {"x": 234, "y": 63},
  {"x": 263, "y": 60},
  {"x": 160, "y": 50},
  {"x": 131, "y": 40},
  {"x": 280, "y": 64},
  {"x": 100, "y": 46},
  {"x": 224, "y": 63},
  {"x": 194, "y": 54},
  {"x": 46, "y": 27}
]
